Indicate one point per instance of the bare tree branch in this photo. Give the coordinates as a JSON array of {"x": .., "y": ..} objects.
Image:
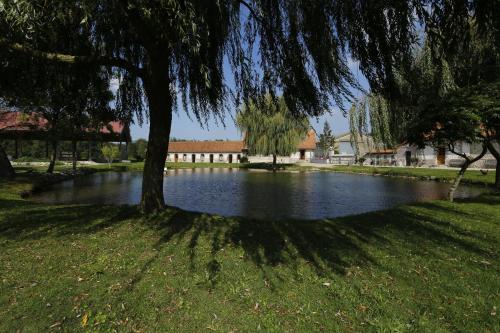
[
  {"x": 72, "y": 59},
  {"x": 493, "y": 150}
]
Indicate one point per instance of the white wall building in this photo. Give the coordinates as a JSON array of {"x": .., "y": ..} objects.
[
  {"x": 347, "y": 151},
  {"x": 407, "y": 155},
  {"x": 305, "y": 152},
  {"x": 206, "y": 151},
  {"x": 233, "y": 151}
]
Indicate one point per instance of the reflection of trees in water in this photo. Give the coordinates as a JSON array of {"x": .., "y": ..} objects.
[
  {"x": 262, "y": 195},
  {"x": 268, "y": 195}
]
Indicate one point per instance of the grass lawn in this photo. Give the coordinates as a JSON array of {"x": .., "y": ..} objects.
[
  {"x": 471, "y": 176},
  {"x": 428, "y": 267}
]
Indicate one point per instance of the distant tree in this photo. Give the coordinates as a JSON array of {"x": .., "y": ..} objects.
[
  {"x": 445, "y": 97},
  {"x": 326, "y": 140},
  {"x": 110, "y": 152},
  {"x": 270, "y": 128},
  {"x": 138, "y": 149},
  {"x": 473, "y": 114},
  {"x": 470, "y": 115}
]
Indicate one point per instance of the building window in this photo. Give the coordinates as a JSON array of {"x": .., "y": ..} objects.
[
  {"x": 202, "y": 157},
  {"x": 221, "y": 157},
  {"x": 184, "y": 157}
]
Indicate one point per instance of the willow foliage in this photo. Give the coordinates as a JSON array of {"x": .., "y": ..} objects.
[
  {"x": 270, "y": 128},
  {"x": 171, "y": 53},
  {"x": 390, "y": 120}
]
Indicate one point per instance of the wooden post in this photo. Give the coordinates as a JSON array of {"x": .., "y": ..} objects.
[
  {"x": 73, "y": 154},
  {"x": 126, "y": 150},
  {"x": 16, "y": 144}
]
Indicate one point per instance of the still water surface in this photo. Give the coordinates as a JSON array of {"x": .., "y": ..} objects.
[{"x": 263, "y": 195}]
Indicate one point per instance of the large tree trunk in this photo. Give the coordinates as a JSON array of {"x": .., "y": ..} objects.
[
  {"x": 497, "y": 175},
  {"x": 52, "y": 163},
  {"x": 6, "y": 169},
  {"x": 496, "y": 153},
  {"x": 160, "y": 119},
  {"x": 274, "y": 162},
  {"x": 454, "y": 186},
  {"x": 468, "y": 161}
]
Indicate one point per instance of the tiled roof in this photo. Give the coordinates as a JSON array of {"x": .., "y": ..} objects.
[
  {"x": 19, "y": 121},
  {"x": 309, "y": 142},
  {"x": 227, "y": 146},
  {"x": 115, "y": 127},
  {"x": 206, "y": 147}
]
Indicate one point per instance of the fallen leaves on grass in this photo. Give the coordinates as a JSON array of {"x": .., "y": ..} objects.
[{"x": 85, "y": 319}]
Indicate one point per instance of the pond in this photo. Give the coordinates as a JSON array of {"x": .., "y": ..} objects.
[{"x": 262, "y": 195}]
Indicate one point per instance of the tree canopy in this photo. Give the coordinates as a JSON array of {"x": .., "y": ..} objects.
[
  {"x": 326, "y": 140},
  {"x": 271, "y": 129},
  {"x": 167, "y": 48}
]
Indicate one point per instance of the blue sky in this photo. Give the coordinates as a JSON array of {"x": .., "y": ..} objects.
[{"x": 185, "y": 128}]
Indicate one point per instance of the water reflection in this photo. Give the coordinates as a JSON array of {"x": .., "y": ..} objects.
[{"x": 256, "y": 194}]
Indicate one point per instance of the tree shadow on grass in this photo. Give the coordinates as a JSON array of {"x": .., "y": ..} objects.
[
  {"x": 29, "y": 220},
  {"x": 327, "y": 246}
]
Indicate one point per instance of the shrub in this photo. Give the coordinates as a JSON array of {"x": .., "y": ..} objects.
[{"x": 110, "y": 152}]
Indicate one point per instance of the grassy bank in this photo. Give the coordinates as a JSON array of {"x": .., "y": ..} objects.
[
  {"x": 446, "y": 175},
  {"x": 429, "y": 267}
]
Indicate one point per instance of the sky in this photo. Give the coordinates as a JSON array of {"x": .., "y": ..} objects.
[{"x": 185, "y": 128}]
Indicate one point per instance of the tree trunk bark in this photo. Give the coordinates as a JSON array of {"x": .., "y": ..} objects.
[
  {"x": 497, "y": 175},
  {"x": 274, "y": 162},
  {"x": 54, "y": 157},
  {"x": 157, "y": 87},
  {"x": 6, "y": 169},
  {"x": 73, "y": 155},
  {"x": 454, "y": 186},
  {"x": 495, "y": 154},
  {"x": 467, "y": 163}
]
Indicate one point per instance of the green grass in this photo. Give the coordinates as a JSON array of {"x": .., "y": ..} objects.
[
  {"x": 428, "y": 267},
  {"x": 446, "y": 175},
  {"x": 133, "y": 166}
]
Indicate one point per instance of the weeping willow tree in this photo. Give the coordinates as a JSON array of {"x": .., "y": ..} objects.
[
  {"x": 391, "y": 120},
  {"x": 172, "y": 53},
  {"x": 439, "y": 101},
  {"x": 270, "y": 128}
]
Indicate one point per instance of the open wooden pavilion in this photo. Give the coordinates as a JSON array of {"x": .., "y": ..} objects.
[{"x": 18, "y": 126}]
